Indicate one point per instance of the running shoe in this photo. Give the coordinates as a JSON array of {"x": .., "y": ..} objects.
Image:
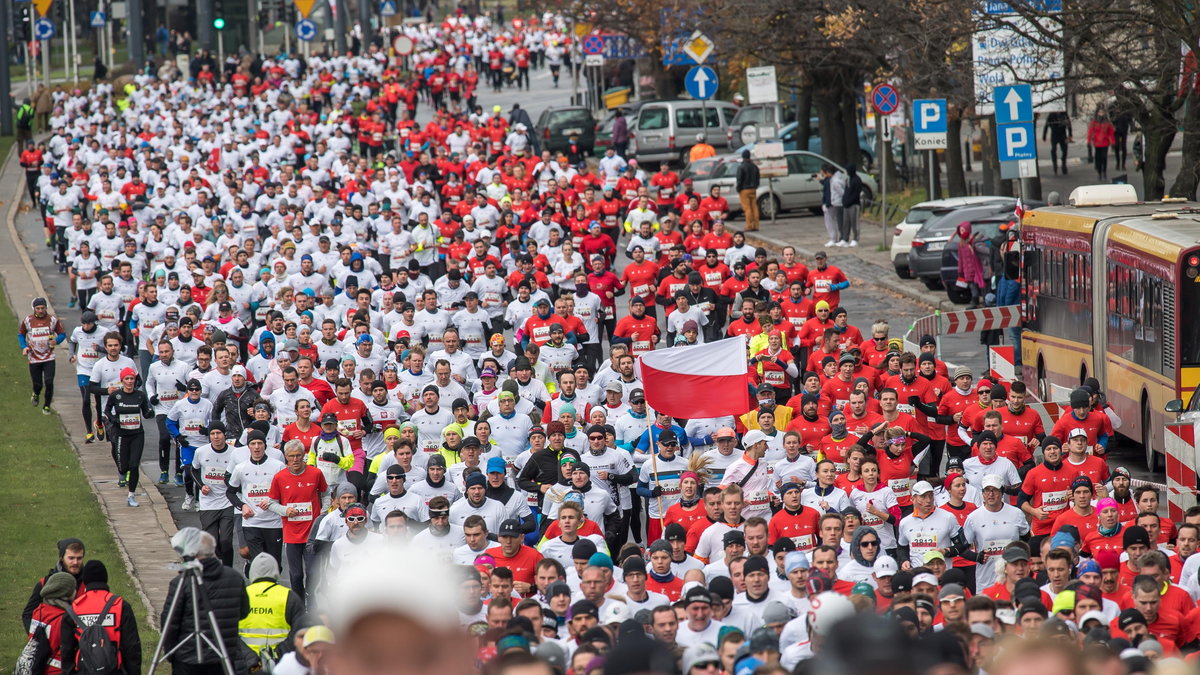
[
  {"x": 162, "y": 478},
  {"x": 188, "y": 503},
  {"x": 121, "y": 482},
  {"x": 178, "y": 480},
  {"x": 99, "y": 431},
  {"x": 33, "y": 400},
  {"x": 89, "y": 438},
  {"x": 45, "y": 410},
  {"x": 132, "y": 501},
  {"x": 71, "y": 303}
]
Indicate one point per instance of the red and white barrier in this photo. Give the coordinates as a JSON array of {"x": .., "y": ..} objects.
[
  {"x": 986, "y": 318},
  {"x": 1181, "y": 468}
]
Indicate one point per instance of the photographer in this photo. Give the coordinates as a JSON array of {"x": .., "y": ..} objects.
[{"x": 226, "y": 594}]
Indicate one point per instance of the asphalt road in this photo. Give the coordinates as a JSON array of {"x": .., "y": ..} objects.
[{"x": 864, "y": 304}]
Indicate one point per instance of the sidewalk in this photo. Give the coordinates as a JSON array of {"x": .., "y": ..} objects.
[
  {"x": 864, "y": 264},
  {"x": 142, "y": 534}
]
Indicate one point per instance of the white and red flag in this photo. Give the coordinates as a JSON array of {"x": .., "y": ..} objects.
[{"x": 706, "y": 380}]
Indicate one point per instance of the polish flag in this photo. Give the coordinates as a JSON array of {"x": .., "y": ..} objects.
[{"x": 706, "y": 380}]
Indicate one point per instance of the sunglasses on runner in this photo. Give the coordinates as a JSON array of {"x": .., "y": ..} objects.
[
  {"x": 865, "y": 544},
  {"x": 595, "y": 437},
  {"x": 355, "y": 519},
  {"x": 669, "y": 444}
]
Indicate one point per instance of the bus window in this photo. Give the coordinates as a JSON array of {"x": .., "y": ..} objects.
[{"x": 1189, "y": 308}]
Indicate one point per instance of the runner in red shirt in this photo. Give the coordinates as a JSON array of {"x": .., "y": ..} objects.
[
  {"x": 1094, "y": 422},
  {"x": 640, "y": 328},
  {"x": 1046, "y": 488},
  {"x": 516, "y": 556},
  {"x": 298, "y": 494},
  {"x": 354, "y": 422},
  {"x": 800, "y": 523}
]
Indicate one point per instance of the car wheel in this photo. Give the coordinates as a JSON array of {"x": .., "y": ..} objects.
[
  {"x": 768, "y": 206},
  {"x": 932, "y": 283},
  {"x": 905, "y": 273},
  {"x": 1148, "y": 437},
  {"x": 816, "y": 211},
  {"x": 959, "y": 296}
]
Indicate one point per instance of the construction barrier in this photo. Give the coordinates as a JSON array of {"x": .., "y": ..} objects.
[
  {"x": 963, "y": 321},
  {"x": 1182, "y": 485}
]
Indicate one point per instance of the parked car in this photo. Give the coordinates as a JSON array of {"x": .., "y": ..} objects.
[
  {"x": 925, "y": 257},
  {"x": 788, "y": 135},
  {"x": 800, "y": 189},
  {"x": 667, "y": 130},
  {"x": 605, "y": 126},
  {"x": 775, "y": 114},
  {"x": 916, "y": 216},
  {"x": 555, "y": 126},
  {"x": 988, "y": 228}
]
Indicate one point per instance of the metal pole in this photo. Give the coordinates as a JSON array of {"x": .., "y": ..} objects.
[
  {"x": 74, "y": 67},
  {"x": 220, "y": 53},
  {"x": 137, "y": 36},
  {"x": 883, "y": 205},
  {"x": 339, "y": 25},
  {"x": 771, "y": 189},
  {"x": 932, "y": 190},
  {"x": 6, "y": 109},
  {"x": 108, "y": 35},
  {"x": 45, "y": 47}
]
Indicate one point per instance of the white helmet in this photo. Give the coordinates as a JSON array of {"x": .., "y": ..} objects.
[
  {"x": 827, "y": 610},
  {"x": 700, "y": 137}
]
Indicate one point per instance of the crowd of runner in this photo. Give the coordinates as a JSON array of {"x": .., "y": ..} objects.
[{"x": 351, "y": 338}]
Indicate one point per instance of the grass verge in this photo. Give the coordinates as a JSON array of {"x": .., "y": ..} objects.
[{"x": 47, "y": 498}]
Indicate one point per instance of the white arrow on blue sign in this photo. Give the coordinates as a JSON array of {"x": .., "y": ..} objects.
[
  {"x": 97, "y": 19},
  {"x": 701, "y": 82},
  {"x": 1016, "y": 141},
  {"x": 388, "y": 8},
  {"x": 306, "y": 30},
  {"x": 1013, "y": 103},
  {"x": 43, "y": 29}
]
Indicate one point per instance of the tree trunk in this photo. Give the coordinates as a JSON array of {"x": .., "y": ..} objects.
[
  {"x": 804, "y": 111},
  {"x": 1158, "y": 132},
  {"x": 1189, "y": 172},
  {"x": 849, "y": 106},
  {"x": 956, "y": 179},
  {"x": 830, "y": 123}
]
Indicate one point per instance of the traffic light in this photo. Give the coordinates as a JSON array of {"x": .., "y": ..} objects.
[
  {"x": 219, "y": 23},
  {"x": 21, "y": 25}
]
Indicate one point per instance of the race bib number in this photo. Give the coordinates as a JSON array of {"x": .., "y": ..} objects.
[
  {"x": 491, "y": 298},
  {"x": 541, "y": 333},
  {"x": 804, "y": 542},
  {"x": 130, "y": 421},
  {"x": 610, "y": 312},
  {"x": 757, "y": 498},
  {"x": 286, "y": 418},
  {"x": 899, "y": 486},
  {"x": 923, "y": 541},
  {"x": 714, "y": 214},
  {"x": 346, "y": 427},
  {"x": 193, "y": 425},
  {"x": 168, "y": 396},
  {"x": 666, "y": 192},
  {"x": 610, "y": 220},
  {"x": 774, "y": 378},
  {"x": 257, "y": 491},
  {"x": 1055, "y": 501},
  {"x": 214, "y": 474},
  {"x": 905, "y": 408},
  {"x": 821, "y": 286},
  {"x": 992, "y": 548},
  {"x": 106, "y": 316},
  {"x": 641, "y": 345},
  {"x": 304, "y": 512},
  {"x": 641, "y": 290},
  {"x": 630, "y": 194}
]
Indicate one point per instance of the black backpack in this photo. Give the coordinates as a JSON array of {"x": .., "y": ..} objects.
[{"x": 97, "y": 652}]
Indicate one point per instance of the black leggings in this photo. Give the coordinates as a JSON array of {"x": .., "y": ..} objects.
[
  {"x": 90, "y": 398},
  {"x": 165, "y": 444},
  {"x": 1101, "y": 161},
  {"x": 129, "y": 456},
  {"x": 42, "y": 375},
  {"x": 85, "y": 296}
]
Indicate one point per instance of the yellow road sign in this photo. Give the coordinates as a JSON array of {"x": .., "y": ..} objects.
[
  {"x": 43, "y": 6},
  {"x": 582, "y": 29},
  {"x": 303, "y": 6},
  {"x": 699, "y": 47}
]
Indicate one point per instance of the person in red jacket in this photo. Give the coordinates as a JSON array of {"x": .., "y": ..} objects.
[
  {"x": 827, "y": 281},
  {"x": 640, "y": 329},
  {"x": 1101, "y": 134},
  {"x": 354, "y": 422},
  {"x": 597, "y": 243},
  {"x": 607, "y": 286},
  {"x": 57, "y": 594},
  {"x": 641, "y": 278}
]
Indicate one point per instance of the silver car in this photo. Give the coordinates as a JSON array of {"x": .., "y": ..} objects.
[
  {"x": 667, "y": 130},
  {"x": 799, "y": 189}
]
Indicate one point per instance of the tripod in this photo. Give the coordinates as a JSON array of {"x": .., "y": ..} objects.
[{"x": 190, "y": 583}]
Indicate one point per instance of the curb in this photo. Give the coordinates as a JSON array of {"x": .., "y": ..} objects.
[
  {"x": 136, "y": 561},
  {"x": 808, "y": 257}
]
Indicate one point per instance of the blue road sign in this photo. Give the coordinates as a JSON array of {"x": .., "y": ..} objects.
[
  {"x": 621, "y": 47},
  {"x": 885, "y": 99},
  {"x": 701, "y": 82},
  {"x": 306, "y": 30},
  {"x": 592, "y": 45},
  {"x": 1016, "y": 141},
  {"x": 1013, "y": 103},
  {"x": 43, "y": 29},
  {"x": 388, "y": 8},
  {"x": 929, "y": 116},
  {"x": 97, "y": 19}
]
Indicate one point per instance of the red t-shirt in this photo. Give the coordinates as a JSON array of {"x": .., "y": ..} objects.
[
  {"x": 803, "y": 527},
  {"x": 522, "y": 564},
  {"x": 303, "y": 493}
]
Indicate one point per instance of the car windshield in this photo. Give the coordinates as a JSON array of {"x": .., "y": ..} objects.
[
  {"x": 701, "y": 169},
  {"x": 943, "y": 222},
  {"x": 918, "y": 215},
  {"x": 580, "y": 118}
]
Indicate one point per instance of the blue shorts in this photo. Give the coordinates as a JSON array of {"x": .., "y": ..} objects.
[{"x": 84, "y": 380}]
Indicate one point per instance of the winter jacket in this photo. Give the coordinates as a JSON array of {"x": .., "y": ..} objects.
[
  {"x": 234, "y": 408},
  {"x": 226, "y": 592}
]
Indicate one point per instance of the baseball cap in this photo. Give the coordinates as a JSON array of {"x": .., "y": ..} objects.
[
  {"x": 1076, "y": 432},
  {"x": 993, "y": 481},
  {"x": 496, "y": 465},
  {"x": 753, "y": 436},
  {"x": 921, "y": 487},
  {"x": 885, "y": 566},
  {"x": 509, "y": 528},
  {"x": 725, "y": 432}
]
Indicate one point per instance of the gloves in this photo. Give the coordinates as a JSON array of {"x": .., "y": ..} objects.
[
  {"x": 914, "y": 400},
  {"x": 330, "y": 457},
  {"x": 154, "y": 400},
  {"x": 656, "y": 491}
]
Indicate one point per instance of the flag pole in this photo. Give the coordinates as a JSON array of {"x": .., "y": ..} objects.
[{"x": 662, "y": 527}]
